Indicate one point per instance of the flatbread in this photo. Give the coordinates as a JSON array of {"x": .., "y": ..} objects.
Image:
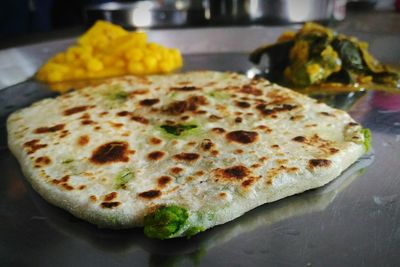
[{"x": 204, "y": 146}]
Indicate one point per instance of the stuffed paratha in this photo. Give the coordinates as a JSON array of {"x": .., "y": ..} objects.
[{"x": 179, "y": 153}]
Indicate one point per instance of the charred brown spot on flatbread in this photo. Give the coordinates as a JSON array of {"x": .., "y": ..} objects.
[
  {"x": 140, "y": 119},
  {"x": 176, "y": 108},
  {"x": 64, "y": 133},
  {"x": 327, "y": 114},
  {"x": 188, "y": 157},
  {"x": 296, "y": 117},
  {"x": 33, "y": 146},
  {"x": 74, "y": 110},
  {"x": 184, "y": 88},
  {"x": 238, "y": 172},
  {"x": 195, "y": 101},
  {"x": 83, "y": 140},
  {"x": 353, "y": 124},
  {"x": 300, "y": 139},
  {"x": 214, "y": 153},
  {"x": 151, "y": 194},
  {"x": 281, "y": 161},
  {"x": 184, "y": 118},
  {"x": 67, "y": 187},
  {"x": 238, "y": 119},
  {"x": 238, "y": 151},
  {"x": 149, "y": 102},
  {"x": 192, "y": 103},
  {"x": 164, "y": 181},
  {"x": 123, "y": 113},
  {"x": 191, "y": 143},
  {"x": 214, "y": 118},
  {"x": 85, "y": 116},
  {"x": 116, "y": 124},
  {"x": 267, "y": 111},
  {"x": 222, "y": 195},
  {"x": 248, "y": 89},
  {"x": 42, "y": 161},
  {"x": 318, "y": 163},
  {"x": 333, "y": 150},
  {"x": 207, "y": 144},
  {"x": 155, "y": 155},
  {"x": 243, "y": 104},
  {"x": 63, "y": 183},
  {"x": 110, "y": 205},
  {"x": 247, "y": 183},
  {"x": 310, "y": 125},
  {"x": 176, "y": 170},
  {"x": 110, "y": 196},
  {"x": 50, "y": 129},
  {"x": 110, "y": 152},
  {"x": 139, "y": 92},
  {"x": 199, "y": 173},
  {"x": 87, "y": 122},
  {"x": 264, "y": 128},
  {"x": 263, "y": 159},
  {"x": 242, "y": 137},
  {"x": 64, "y": 179},
  {"x": 155, "y": 141}
]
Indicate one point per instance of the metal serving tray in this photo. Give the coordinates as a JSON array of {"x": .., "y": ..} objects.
[{"x": 354, "y": 221}]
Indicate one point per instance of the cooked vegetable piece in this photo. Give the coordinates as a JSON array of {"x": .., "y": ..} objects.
[
  {"x": 367, "y": 138},
  {"x": 349, "y": 54},
  {"x": 317, "y": 55},
  {"x": 165, "y": 222}
]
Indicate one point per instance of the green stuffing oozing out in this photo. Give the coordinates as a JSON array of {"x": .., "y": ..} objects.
[
  {"x": 194, "y": 230},
  {"x": 367, "y": 138},
  {"x": 116, "y": 93},
  {"x": 178, "y": 129},
  {"x": 165, "y": 222},
  {"x": 123, "y": 177},
  {"x": 120, "y": 96},
  {"x": 67, "y": 161},
  {"x": 218, "y": 95}
]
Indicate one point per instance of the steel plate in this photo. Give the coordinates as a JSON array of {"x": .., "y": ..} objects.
[{"x": 354, "y": 221}]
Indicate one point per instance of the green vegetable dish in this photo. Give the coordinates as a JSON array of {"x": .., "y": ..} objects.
[{"x": 316, "y": 55}]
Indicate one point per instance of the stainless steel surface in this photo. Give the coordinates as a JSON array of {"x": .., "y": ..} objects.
[
  {"x": 352, "y": 222},
  {"x": 158, "y": 13},
  {"x": 277, "y": 11},
  {"x": 141, "y": 14}
]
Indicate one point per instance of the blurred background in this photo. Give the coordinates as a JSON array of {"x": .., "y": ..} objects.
[{"x": 22, "y": 19}]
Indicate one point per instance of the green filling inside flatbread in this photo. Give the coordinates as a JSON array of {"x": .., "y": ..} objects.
[
  {"x": 367, "y": 138},
  {"x": 179, "y": 129},
  {"x": 165, "y": 222}
]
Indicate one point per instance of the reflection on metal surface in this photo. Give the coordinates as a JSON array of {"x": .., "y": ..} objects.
[
  {"x": 123, "y": 241},
  {"x": 385, "y": 101},
  {"x": 273, "y": 12},
  {"x": 141, "y": 16},
  {"x": 199, "y": 13},
  {"x": 148, "y": 13},
  {"x": 353, "y": 230}
]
